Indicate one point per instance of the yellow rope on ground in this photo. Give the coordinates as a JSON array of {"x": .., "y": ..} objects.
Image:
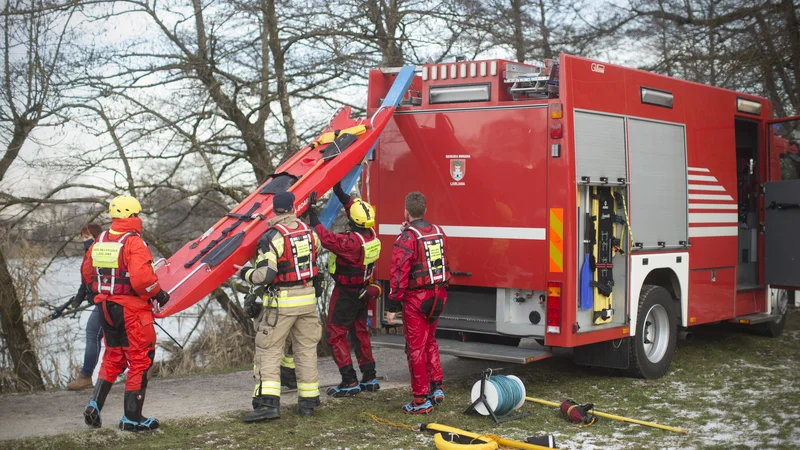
[{"x": 382, "y": 421}]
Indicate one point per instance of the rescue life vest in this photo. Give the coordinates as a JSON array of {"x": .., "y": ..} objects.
[
  {"x": 299, "y": 260},
  {"x": 430, "y": 268},
  {"x": 359, "y": 274},
  {"x": 111, "y": 270}
]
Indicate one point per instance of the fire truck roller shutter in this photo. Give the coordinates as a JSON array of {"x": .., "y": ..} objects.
[
  {"x": 600, "y": 148},
  {"x": 658, "y": 191}
]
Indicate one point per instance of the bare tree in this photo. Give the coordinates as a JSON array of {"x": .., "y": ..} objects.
[
  {"x": 33, "y": 72},
  {"x": 737, "y": 44},
  {"x": 541, "y": 29}
]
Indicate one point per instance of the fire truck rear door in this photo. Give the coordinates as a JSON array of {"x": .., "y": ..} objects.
[{"x": 782, "y": 205}]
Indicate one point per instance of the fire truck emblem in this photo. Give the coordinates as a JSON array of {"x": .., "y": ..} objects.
[{"x": 458, "y": 168}]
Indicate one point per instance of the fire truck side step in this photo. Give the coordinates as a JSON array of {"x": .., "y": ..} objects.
[
  {"x": 476, "y": 350},
  {"x": 752, "y": 319}
]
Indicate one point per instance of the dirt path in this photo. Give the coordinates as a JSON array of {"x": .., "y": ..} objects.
[{"x": 58, "y": 412}]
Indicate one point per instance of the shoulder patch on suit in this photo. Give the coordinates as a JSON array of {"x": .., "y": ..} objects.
[{"x": 266, "y": 239}]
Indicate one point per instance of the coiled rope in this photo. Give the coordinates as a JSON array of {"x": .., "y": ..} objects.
[{"x": 509, "y": 394}]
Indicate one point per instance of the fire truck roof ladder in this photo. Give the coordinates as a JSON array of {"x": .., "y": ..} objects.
[{"x": 532, "y": 82}]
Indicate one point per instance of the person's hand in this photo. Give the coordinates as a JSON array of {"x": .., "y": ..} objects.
[
  {"x": 162, "y": 297},
  {"x": 313, "y": 218},
  {"x": 76, "y": 301},
  {"x": 390, "y": 318},
  {"x": 404, "y": 226}
]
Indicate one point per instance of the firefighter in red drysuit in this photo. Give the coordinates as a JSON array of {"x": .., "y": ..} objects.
[
  {"x": 119, "y": 269},
  {"x": 353, "y": 258},
  {"x": 418, "y": 281}
]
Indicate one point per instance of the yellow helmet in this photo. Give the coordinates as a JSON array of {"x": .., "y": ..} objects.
[
  {"x": 362, "y": 214},
  {"x": 124, "y": 206}
]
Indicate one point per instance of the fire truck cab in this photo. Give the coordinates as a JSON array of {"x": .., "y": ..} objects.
[{"x": 591, "y": 206}]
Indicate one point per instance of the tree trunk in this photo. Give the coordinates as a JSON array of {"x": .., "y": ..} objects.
[
  {"x": 258, "y": 155},
  {"x": 271, "y": 27},
  {"x": 252, "y": 134},
  {"x": 546, "y": 48},
  {"x": 793, "y": 30},
  {"x": 23, "y": 355},
  {"x": 22, "y": 129},
  {"x": 519, "y": 37},
  {"x": 386, "y": 18}
]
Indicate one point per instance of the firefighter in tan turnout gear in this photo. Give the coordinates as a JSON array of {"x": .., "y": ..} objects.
[{"x": 286, "y": 265}]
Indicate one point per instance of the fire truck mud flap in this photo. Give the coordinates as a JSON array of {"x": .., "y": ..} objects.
[{"x": 474, "y": 350}]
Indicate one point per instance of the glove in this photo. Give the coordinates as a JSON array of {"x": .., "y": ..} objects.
[
  {"x": 243, "y": 273},
  {"x": 252, "y": 307},
  {"x": 313, "y": 219},
  {"x": 340, "y": 194},
  {"x": 80, "y": 296},
  {"x": 162, "y": 297}
]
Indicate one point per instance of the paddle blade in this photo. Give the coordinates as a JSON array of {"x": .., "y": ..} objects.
[
  {"x": 587, "y": 294},
  {"x": 224, "y": 249}
]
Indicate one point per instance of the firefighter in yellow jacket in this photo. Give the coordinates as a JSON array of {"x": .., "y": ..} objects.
[{"x": 286, "y": 264}]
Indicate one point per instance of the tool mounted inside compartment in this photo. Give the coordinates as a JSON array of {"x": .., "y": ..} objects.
[
  {"x": 588, "y": 267},
  {"x": 604, "y": 216}
]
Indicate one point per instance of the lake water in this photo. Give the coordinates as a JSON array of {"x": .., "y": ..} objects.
[{"x": 62, "y": 341}]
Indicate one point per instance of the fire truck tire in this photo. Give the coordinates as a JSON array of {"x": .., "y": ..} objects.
[
  {"x": 656, "y": 333},
  {"x": 775, "y": 328}
]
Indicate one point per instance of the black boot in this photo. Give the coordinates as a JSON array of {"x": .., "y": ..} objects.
[
  {"x": 91, "y": 415},
  {"x": 265, "y": 407},
  {"x": 369, "y": 378},
  {"x": 306, "y": 405},
  {"x": 288, "y": 378},
  {"x": 349, "y": 386},
  {"x": 133, "y": 420}
]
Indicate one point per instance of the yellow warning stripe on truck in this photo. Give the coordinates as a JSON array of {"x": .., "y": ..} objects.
[{"x": 556, "y": 240}]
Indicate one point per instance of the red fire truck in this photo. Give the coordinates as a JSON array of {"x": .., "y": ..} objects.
[{"x": 591, "y": 206}]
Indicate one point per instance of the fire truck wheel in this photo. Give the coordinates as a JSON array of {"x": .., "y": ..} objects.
[
  {"x": 780, "y": 303},
  {"x": 656, "y": 333}
]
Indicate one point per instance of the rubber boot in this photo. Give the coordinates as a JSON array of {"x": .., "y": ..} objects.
[
  {"x": 265, "y": 407},
  {"x": 133, "y": 420},
  {"x": 306, "y": 405},
  {"x": 369, "y": 378},
  {"x": 349, "y": 386},
  {"x": 344, "y": 389},
  {"x": 91, "y": 415},
  {"x": 288, "y": 378},
  {"x": 80, "y": 383},
  {"x": 436, "y": 395}
]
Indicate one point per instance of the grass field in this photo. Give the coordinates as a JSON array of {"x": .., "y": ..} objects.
[{"x": 730, "y": 388}]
